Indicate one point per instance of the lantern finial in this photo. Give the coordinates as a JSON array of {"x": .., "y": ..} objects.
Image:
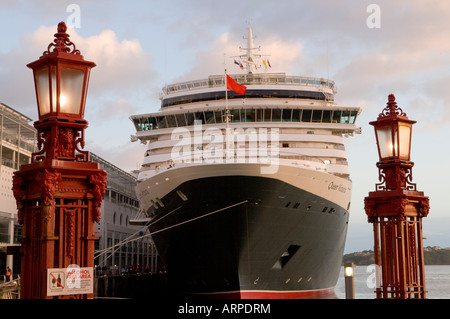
[
  {"x": 61, "y": 43},
  {"x": 392, "y": 109},
  {"x": 62, "y": 27}
]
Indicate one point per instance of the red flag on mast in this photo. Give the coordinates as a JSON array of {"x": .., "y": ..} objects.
[{"x": 234, "y": 86}]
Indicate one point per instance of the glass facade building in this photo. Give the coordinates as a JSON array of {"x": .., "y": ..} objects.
[{"x": 17, "y": 142}]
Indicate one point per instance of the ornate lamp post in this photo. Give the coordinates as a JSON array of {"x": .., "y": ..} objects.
[
  {"x": 61, "y": 78},
  {"x": 396, "y": 209},
  {"x": 59, "y": 193}
]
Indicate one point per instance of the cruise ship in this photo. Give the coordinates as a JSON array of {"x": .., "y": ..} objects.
[{"x": 247, "y": 193}]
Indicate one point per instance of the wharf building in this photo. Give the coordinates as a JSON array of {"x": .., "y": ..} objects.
[
  {"x": 17, "y": 142},
  {"x": 122, "y": 245}
]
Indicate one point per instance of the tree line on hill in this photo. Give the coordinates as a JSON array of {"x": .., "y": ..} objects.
[{"x": 432, "y": 256}]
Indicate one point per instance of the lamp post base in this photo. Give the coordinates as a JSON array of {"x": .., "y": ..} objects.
[{"x": 59, "y": 202}]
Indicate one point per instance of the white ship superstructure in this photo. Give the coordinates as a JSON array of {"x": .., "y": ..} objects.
[
  {"x": 311, "y": 129},
  {"x": 285, "y": 130},
  {"x": 282, "y": 120}
]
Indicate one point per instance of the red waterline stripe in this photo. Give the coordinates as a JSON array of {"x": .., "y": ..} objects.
[{"x": 273, "y": 294}]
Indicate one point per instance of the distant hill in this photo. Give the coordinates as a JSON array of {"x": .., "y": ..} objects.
[{"x": 433, "y": 256}]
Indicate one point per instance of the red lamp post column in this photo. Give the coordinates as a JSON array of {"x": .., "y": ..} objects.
[
  {"x": 396, "y": 209},
  {"x": 59, "y": 193}
]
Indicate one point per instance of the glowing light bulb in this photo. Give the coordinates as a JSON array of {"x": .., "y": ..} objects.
[
  {"x": 348, "y": 271},
  {"x": 62, "y": 100}
]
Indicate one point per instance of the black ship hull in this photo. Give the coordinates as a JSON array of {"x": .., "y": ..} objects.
[{"x": 249, "y": 237}]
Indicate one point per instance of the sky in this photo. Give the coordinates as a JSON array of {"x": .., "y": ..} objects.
[{"x": 369, "y": 48}]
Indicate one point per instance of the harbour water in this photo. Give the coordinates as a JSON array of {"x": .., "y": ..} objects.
[{"x": 437, "y": 282}]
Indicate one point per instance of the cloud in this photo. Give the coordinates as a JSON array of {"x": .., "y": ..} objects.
[
  {"x": 283, "y": 55},
  {"x": 122, "y": 66},
  {"x": 17, "y": 87},
  {"x": 409, "y": 56},
  {"x": 126, "y": 155},
  {"x": 121, "y": 84}
]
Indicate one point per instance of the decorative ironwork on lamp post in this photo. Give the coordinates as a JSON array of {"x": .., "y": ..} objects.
[
  {"x": 396, "y": 209},
  {"x": 59, "y": 193}
]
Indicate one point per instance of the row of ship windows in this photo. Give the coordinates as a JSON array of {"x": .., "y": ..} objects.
[
  {"x": 221, "y": 95},
  {"x": 246, "y": 115}
]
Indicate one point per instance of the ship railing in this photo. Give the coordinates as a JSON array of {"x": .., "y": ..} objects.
[{"x": 250, "y": 79}]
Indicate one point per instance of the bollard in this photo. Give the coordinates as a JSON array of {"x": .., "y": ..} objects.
[{"x": 349, "y": 281}]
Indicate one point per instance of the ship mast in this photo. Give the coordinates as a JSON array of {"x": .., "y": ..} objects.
[
  {"x": 227, "y": 121},
  {"x": 249, "y": 44},
  {"x": 249, "y": 60},
  {"x": 249, "y": 57}
]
